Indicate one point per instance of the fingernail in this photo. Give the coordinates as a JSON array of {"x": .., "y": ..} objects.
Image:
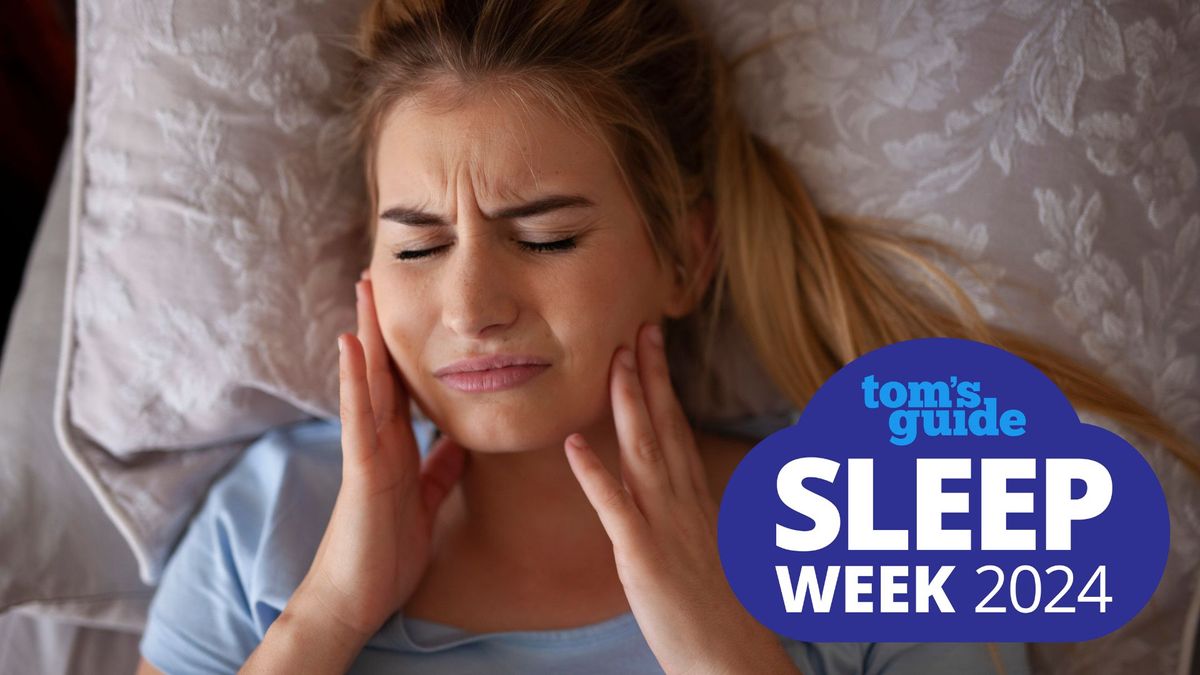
[
  {"x": 656, "y": 336},
  {"x": 626, "y": 359},
  {"x": 358, "y": 290},
  {"x": 339, "y": 343}
]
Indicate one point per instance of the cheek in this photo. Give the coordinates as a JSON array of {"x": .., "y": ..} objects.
[
  {"x": 400, "y": 325},
  {"x": 628, "y": 290},
  {"x": 601, "y": 308}
]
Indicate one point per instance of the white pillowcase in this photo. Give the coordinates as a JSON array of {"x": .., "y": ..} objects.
[{"x": 213, "y": 246}]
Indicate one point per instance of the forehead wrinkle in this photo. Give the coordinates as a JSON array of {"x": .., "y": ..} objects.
[{"x": 500, "y": 184}]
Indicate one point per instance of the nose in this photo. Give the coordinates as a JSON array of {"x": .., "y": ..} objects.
[{"x": 480, "y": 297}]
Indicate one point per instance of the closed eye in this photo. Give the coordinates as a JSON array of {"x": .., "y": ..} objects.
[
  {"x": 532, "y": 246},
  {"x": 560, "y": 245}
]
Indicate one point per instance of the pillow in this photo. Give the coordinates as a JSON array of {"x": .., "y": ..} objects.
[
  {"x": 62, "y": 556},
  {"x": 211, "y": 231},
  {"x": 1053, "y": 143}
]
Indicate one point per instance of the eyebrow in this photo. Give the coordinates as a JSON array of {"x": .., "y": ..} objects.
[{"x": 412, "y": 216}]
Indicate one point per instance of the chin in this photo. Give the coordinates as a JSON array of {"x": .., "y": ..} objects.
[
  {"x": 520, "y": 421},
  {"x": 521, "y": 430}
]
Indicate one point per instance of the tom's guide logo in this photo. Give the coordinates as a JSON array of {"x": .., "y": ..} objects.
[{"x": 943, "y": 490}]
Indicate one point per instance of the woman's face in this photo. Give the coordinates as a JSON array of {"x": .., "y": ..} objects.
[{"x": 463, "y": 266}]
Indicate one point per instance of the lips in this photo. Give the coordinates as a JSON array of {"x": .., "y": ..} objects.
[
  {"x": 491, "y": 372},
  {"x": 495, "y": 379},
  {"x": 490, "y": 362}
]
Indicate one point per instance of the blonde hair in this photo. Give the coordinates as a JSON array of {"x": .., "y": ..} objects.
[{"x": 811, "y": 291}]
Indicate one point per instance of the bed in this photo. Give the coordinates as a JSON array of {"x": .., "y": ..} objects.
[
  {"x": 61, "y": 627},
  {"x": 73, "y": 596}
]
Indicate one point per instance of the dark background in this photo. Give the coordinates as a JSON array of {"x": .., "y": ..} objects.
[{"x": 37, "y": 86}]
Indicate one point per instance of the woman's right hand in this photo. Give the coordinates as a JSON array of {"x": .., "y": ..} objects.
[{"x": 377, "y": 543}]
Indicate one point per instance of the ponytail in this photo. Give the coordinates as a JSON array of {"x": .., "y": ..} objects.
[{"x": 813, "y": 292}]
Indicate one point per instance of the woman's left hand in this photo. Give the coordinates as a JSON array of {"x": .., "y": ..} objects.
[{"x": 662, "y": 520}]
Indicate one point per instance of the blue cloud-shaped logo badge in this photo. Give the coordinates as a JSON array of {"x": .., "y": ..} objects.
[{"x": 943, "y": 490}]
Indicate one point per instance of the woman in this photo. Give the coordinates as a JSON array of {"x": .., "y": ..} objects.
[{"x": 553, "y": 187}]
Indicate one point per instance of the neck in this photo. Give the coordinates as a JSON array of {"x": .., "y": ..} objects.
[{"x": 526, "y": 513}]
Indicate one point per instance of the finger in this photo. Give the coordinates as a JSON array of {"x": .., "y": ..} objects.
[
  {"x": 642, "y": 460},
  {"x": 381, "y": 382},
  {"x": 618, "y": 512},
  {"x": 441, "y": 469},
  {"x": 358, "y": 421},
  {"x": 674, "y": 432}
]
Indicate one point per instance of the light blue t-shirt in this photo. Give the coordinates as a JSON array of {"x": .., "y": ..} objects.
[{"x": 254, "y": 538}]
